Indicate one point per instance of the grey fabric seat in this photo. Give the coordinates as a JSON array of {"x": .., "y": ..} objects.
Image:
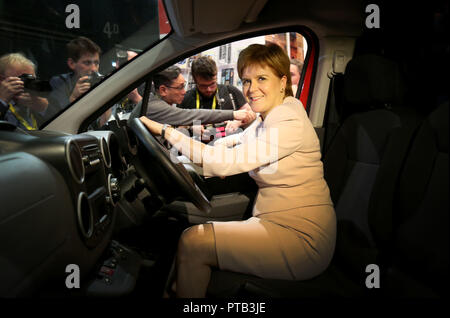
[
  {"x": 364, "y": 161},
  {"x": 420, "y": 246}
]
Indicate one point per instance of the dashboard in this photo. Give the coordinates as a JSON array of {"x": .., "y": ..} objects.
[{"x": 58, "y": 195}]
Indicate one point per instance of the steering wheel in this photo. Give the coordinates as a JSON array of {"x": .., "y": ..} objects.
[{"x": 164, "y": 170}]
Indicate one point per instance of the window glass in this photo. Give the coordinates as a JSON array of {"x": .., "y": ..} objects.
[
  {"x": 41, "y": 30},
  {"x": 121, "y": 110},
  {"x": 226, "y": 56}
]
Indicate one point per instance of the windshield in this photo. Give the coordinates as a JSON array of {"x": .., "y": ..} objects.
[{"x": 52, "y": 51}]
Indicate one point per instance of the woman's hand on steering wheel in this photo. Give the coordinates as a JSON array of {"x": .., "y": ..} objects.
[{"x": 158, "y": 169}]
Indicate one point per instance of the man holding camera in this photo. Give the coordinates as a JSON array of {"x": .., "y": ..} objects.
[
  {"x": 19, "y": 105},
  {"x": 83, "y": 60}
]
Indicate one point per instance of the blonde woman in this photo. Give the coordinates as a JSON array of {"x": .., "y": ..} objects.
[{"x": 291, "y": 234}]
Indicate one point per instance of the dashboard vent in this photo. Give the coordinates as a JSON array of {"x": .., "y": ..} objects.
[
  {"x": 105, "y": 152},
  {"x": 75, "y": 161},
  {"x": 85, "y": 215},
  {"x": 90, "y": 148}
]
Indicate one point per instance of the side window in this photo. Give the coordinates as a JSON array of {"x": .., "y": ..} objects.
[
  {"x": 121, "y": 110},
  {"x": 226, "y": 57},
  {"x": 70, "y": 46}
]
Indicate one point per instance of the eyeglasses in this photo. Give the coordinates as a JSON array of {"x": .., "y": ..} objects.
[
  {"x": 90, "y": 62},
  {"x": 178, "y": 88}
]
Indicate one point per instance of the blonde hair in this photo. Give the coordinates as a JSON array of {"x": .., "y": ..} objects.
[
  {"x": 14, "y": 59},
  {"x": 297, "y": 63},
  {"x": 270, "y": 55}
]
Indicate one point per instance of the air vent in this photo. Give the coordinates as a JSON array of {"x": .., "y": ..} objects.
[
  {"x": 85, "y": 215},
  {"x": 90, "y": 148},
  {"x": 105, "y": 152},
  {"x": 75, "y": 161}
]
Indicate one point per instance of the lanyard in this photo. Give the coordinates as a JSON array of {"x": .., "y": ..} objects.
[
  {"x": 22, "y": 120},
  {"x": 214, "y": 100}
]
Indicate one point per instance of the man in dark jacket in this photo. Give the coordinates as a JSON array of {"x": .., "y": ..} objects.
[
  {"x": 83, "y": 61},
  {"x": 209, "y": 95}
]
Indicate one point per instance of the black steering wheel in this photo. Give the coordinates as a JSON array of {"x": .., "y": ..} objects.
[{"x": 160, "y": 170}]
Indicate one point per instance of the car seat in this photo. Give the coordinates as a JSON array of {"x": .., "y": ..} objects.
[{"x": 420, "y": 246}]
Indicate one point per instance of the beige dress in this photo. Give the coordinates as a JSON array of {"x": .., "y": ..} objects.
[{"x": 292, "y": 232}]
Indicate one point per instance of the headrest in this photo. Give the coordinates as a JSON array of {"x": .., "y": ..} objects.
[{"x": 372, "y": 81}]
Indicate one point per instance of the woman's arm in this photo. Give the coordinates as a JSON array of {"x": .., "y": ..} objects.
[
  {"x": 187, "y": 146},
  {"x": 228, "y": 141},
  {"x": 260, "y": 148}
]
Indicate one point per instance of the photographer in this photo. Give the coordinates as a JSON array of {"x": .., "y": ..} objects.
[
  {"x": 83, "y": 60},
  {"x": 19, "y": 105}
]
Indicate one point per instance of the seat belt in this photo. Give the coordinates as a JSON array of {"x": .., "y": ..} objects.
[
  {"x": 332, "y": 120},
  {"x": 333, "y": 112}
]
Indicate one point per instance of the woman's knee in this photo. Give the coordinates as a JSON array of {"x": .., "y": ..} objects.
[{"x": 197, "y": 243}]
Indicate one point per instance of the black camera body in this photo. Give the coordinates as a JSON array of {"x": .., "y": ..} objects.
[
  {"x": 94, "y": 78},
  {"x": 31, "y": 83}
]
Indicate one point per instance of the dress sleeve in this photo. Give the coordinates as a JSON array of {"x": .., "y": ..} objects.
[
  {"x": 282, "y": 133},
  {"x": 229, "y": 141},
  {"x": 265, "y": 146}
]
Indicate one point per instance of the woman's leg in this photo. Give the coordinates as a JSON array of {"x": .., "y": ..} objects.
[{"x": 195, "y": 256}]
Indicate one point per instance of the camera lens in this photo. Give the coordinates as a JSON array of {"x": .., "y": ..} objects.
[
  {"x": 30, "y": 82},
  {"x": 94, "y": 78}
]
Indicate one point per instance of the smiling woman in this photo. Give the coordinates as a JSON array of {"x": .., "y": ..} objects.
[
  {"x": 266, "y": 81},
  {"x": 90, "y": 190},
  {"x": 292, "y": 232}
]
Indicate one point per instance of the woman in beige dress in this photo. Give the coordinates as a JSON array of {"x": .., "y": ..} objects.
[{"x": 292, "y": 232}]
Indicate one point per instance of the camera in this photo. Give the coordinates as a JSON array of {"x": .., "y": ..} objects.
[
  {"x": 121, "y": 57},
  {"x": 94, "y": 78},
  {"x": 212, "y": 131},
  {"x": 30, "y": 82}
]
